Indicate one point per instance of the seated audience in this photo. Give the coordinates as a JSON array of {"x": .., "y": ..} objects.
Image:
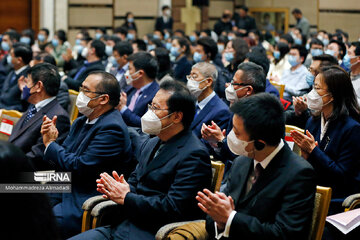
[
  {"x": 98, "y": 142},
  {"x": 141, "y": 76},
  {"x": 58, "y": 47},
  {"x": 39, "y": 88},
  {"x": 173, "y": 166},
  {"x": 316, "y": 49},
  {"x": 138, "y": 45},
  {"x": 209, "y": 107},
  {"x": 121, "y": 52},
  {"x": 10, "y": 95},
  {"x": 224, "y": 23},
  {"x": 337, "y": 49},
  {"x": 8, "y": 40},
  {"x": 165, "y": 71},
  {"x": 180, "y": 50},
  {"x": 270, "y": 190},
  {"x": 279, "y": 62},
  {"x": 330, "y": 143}
]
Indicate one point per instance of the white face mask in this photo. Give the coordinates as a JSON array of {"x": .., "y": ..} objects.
[
  {"x": 230, "y": 93},
  {"x": 315, "y": 102},
  {"x": 193, "y": 86},
  {"x": 236, "y": 145},
  {"x": 128, "y": 77},
  {"x": 82, "y": 102},
  {"x": 84, "y": 52},
  {"x": 151, "y": 123}
]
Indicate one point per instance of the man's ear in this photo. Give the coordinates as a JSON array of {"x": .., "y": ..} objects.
[
  {"x": 104, "y": 99},
  {"x": 250, "y": 91},
  {"x": 178, "y": 116}
]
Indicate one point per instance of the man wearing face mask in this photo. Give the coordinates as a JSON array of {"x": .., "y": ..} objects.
[
  {"x": 294, "y": 78},
  {"x": 141, "y": 76},
  {"x": 8, "y": 40},
  {"x": 98, "y": 142},
  {"x": 316, "y": 49},
  {"x": 10, "y": 95},
  {"x": 39, "y": 88},
  {"x": 93, "y": 53},
  {"x": 270, "y": 190},
  {"x": 165, "y": 21},
  {"x": 209, "y": 107},
  {"x": 173, "y": 166},
  {"x": 224, "y": 24}
]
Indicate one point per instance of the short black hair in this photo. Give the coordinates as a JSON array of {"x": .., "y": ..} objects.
[
  {"x": 165, "y": 7},
  {"x": 260, "y": 59},
  {"x": 283, "y": 49},
  {"x": 121, "y": 30},
  {"x": 184, "y": 42},
  {"x": 180, "y": 31},
  {"x": 123, "y": 48},
  {"x": 357, "y": 48},
  {"x": 326, "y": 58},
  {"x": 140, "y": 44},
  {"x": 180, "y": 100},
  {"x": 30, "y": 34},
  {"x": 13, "y": 35},
  {"x": 46, "y": 57},
  {"x": 24, "y": 51},
  {"x": 245, "y": 8},
  {"x": 302, "y": 51},
  {"x": 61, "y": 34},
  {"x": 48, "y": 74},
  {"x": 99, "y": 48},
  {"x": 102, "y": 29},
  {"x": 253, "y": 75},
  {"x": 146, "y": 62},
  {"x": 263, "y": 117},
  {"x": 297, "y": 11},
  {"x": 342, "y": 47},
  {"x": 209, "y": 45},
  {"x": 108, "y": 85},
  {"x": 287, "y": 37},
  {"x": 45, "y": 30},
  {"x": 316, "y": 41}
]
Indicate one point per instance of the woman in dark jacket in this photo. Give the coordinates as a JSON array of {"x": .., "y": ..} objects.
[{"x": 179, "y": 51}]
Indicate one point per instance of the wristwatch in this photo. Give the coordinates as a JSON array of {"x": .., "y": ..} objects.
[{"x": 221, "y": 143}]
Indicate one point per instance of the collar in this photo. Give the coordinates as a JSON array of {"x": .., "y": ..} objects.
[
  {"x": 92, "y": 121},
  {"x": 87, "y": 63},
  {"x": 43, "y": 103},
  {"x": 205, "y": 101},
  {"x": 324, "y": 126},
  {"x": 17, "y": 72},
  {"x": 267, "y": 160},
  {"x": 125, "y": 67},
  {"x": 142, "y": 89},
  {"x": 299, "y": 69}
]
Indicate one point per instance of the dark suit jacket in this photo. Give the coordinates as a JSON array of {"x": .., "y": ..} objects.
[
  {"x": 5, "y": 69},
  {"x": 76, "y": 83},
  {"x": 10, "y": 96},
  {"x": 161, "y": 25},
  {"x": 86, "y": 152},
  {"x": 133, "y": 118},
  {"x": 163, "y": 188},
  {"x": 29, "y": 139},
  {"x": 182, "y": 67},
  {"x": 280, "y": 203},
  {"x": 336, "y": 160},
  {"x": 215, "y": 110}
]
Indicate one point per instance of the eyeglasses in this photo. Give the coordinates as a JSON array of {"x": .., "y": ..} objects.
[
  {"x": 153, "y": 108},
  {"x": 81, "y": 89},
  {"x": 238, "y": 84}
]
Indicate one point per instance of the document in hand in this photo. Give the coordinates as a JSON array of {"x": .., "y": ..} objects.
[{"x": 346, "y": 221}]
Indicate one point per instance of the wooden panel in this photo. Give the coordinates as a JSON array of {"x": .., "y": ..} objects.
[
  {"x": 216, "y": 8},
  {"x": 88, "y": 16},
  {"x": 178, "y": 3},
  {"x": 15, "y": 14},
  {"x": 179, "y": 25},
  {"x": 343, "y": 4},
  {"x": 143, "y": 26},
  {"x": 90, "y": 2},
  {"x": 138, "y": 7},
  {"x": 347, "y": 22}
]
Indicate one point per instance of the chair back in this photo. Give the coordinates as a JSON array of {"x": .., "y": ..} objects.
[
  {"x": 8, "y": 120},
  {"x": 289, "y": 139},
  {"x": 217, "y": 169},
  {"x": 72, "y": 109},
  {"x": 280, "y": 87},
  {"x": 321, "y": 207}
]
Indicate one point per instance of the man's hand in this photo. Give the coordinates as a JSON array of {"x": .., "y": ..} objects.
[
  {"x": 48, "y": 130},
  {"x": 299, "y": 105},
  {"x": 113, "y": 188},
  {"x": 21, "y": 83},
  {"x": 68, "y": 55},
  {"x": 123, "y": 101},
  {"x": 217, "y": 205},
  {"x": 212, "y": 133}
]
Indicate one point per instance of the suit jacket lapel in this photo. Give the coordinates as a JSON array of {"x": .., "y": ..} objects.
[
  {"x": 147, "y": 92},
  {"x": 205, "y": 111}
]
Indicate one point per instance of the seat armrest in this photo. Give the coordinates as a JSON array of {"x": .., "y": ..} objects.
[
  {"x": 351, "y": 201},
  {"x": 166, "y": 229},
  {"x": 92, "y": 202}
]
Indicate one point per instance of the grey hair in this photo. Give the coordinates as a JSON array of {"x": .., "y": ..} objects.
[{"x": 208, "y": 70}]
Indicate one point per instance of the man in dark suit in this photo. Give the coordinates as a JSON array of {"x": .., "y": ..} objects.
[
  {"x": 209, "y": 107},
  {"x": 97, "y": 142},
  {"x": 243, "y": 21},
  {"x": 173, "y": 166},
  {"x": 10, "y": 96},
  {"x": 95, "y": 51},
  {"x": 8, "y": 40},
  {"x": 270, "y": 190},
  {"x": 39, "y": 89},
  {"x": 165, "y": 21},
  {"x": 121, "y": 52},
  {"x": 141, "y": 76}
]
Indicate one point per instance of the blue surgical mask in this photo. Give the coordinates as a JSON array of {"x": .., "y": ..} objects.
[
  {"x": 79, "y": 48},
  {"x": 174, "y": 51},
  {"x": 307, "y": 46},
  {"x": 5, "y": 46},
  {"x": 168, "y": 45},
  {"x": 298, "y": 41},
  {"x": 325, "y": 42},
  {"x": 108, "y": 50},
  {"x": 309, "y": 78},
  {"x": 346, "y": 61},
  {"x": 221, "y": 48},
  {"x": 230, "y": 38},
  {"x": 130, "y": 20},
  {"x": 151, "y": 47},
  {"x": 166, "y": 36},
  {"x": 330, "y": 52},
  {"x": 316, "y": 52},
  {"x": 156, "y": 36},
  {"x": 98, "y": 36},
  {"x": 25, "y": 40},
  {"x": 293, "y": 60},
  {"x": 41, "y": 37},
  {"x": 197, "y": 57},
  {"x": 277, "y": 39},
  {"x": 130, "y": 36},
  {"x": 192, "y": 38},
  {"x": 55, "y": 42},
  {"x": 276, "y": 55},
  {"x": 77, "y": 41},
  {"x": 229, "y": 56}
]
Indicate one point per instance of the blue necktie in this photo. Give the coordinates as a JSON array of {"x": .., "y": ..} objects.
[
  {"x": 30, "y": 114},
  {"x": 197, "y": 111},
  {"x": 13, "y": 77}
]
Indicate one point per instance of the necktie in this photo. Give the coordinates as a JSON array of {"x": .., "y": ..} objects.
[
  {"x": 13, "y": 77},
  {"x": 197, "y": 110},
  {"x": 258, "y": 170},
  {"x": 30, "y": 114},
  {"x": 133, "y": 100}
]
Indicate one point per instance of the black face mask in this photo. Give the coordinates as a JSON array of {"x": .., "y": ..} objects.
[{"x": 226, "y": 16}]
